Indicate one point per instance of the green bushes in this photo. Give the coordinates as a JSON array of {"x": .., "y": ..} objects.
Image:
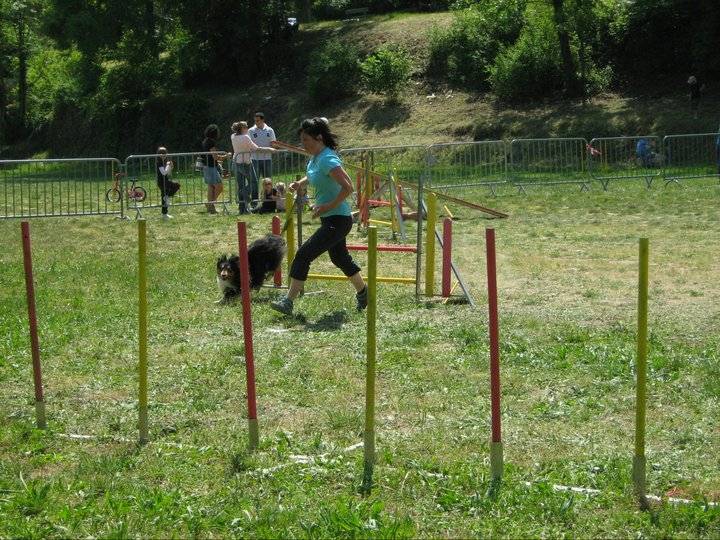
[
  {"x": 334, "y": 72},
  {"x": 530, "y": 67},
  {"x": 462, "y": 54},
  {"x": 512, "y": 47},
  {"x": 386, "y": 71}
]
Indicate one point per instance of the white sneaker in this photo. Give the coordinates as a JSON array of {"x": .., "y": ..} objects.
[{"x": 166, "y": 217}]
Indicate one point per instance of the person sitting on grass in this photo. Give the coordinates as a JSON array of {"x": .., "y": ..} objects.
[
  {"x": 269, "y": 197},
  {"x": 332, "y": 185},
  {"x": 280, "y": 199}
]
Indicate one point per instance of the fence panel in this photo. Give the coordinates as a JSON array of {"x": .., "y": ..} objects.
[
  {"x": 621, "y": 158},
  {"x": 405, "y": 162},
  {"x": 455, "y": 166},
  {"x": 692, "y": 156},
  {"x": 541, "y": 162},
  {"x": 57, "y": 187}
]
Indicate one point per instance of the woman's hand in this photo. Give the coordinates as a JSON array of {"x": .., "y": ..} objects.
[
  {"x": 318, "y": 209},
  {"x": 293, "y": 186}
]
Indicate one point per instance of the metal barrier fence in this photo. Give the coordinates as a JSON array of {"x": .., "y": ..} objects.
[
  {"x": 57, "y": 187},
  {"x": 692, "y": 156},
  {"x": 96, "y": 186},
  {"x": 621, "y": 158},
  {"x": 542, "y": 162},
  {"x": 239, "y": 172},
  {"x": 453, "y": 166}
]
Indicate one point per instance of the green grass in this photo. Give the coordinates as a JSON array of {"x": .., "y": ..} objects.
[{"x": 567, "y": 276}]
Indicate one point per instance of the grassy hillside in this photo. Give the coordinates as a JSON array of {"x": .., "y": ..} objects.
[
  {"x": 428, "y": 111},
  {"x": 431, "y": 111}
]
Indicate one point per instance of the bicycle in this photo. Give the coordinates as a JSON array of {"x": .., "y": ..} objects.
[{"x": 134, "y": 193}]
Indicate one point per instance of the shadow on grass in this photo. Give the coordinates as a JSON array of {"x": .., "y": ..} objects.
[
  {"x": 329, "y": 321},
  {"x": 385, "y": 115}
]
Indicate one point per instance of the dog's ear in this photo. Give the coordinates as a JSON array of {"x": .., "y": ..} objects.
[
  {"x": 235, "y": 260},
  {"x": 222, "y": 259}
]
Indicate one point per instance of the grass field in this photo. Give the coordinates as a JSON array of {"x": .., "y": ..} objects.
[{"x": 567, "y": 277}]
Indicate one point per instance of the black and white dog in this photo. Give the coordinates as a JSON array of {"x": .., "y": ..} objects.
[{"x": 264, "y": 257}]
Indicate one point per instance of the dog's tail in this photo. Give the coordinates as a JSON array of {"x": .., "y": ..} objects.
[{"x": 265, "y": 256}]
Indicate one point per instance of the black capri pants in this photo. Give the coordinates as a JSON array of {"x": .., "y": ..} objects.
[{"x": 329, "y": 237}]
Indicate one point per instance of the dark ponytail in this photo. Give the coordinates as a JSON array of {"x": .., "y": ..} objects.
[{"x": 319, "y": 126}]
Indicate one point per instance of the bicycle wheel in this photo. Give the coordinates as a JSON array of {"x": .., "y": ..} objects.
[
  {"x": 139, "y": 194},
  {"x": 112, "y": 195}
]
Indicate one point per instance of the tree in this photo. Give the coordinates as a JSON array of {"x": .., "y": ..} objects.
[{"x": 572, "y": 88}]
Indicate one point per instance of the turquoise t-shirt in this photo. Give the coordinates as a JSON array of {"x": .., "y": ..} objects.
[{"x": 326, "y": 189}]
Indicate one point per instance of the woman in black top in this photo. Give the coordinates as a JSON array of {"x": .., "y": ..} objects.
[{"x": 211, "y": 175}]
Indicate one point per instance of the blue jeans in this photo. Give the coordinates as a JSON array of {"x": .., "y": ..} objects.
[{"x": 247, "y": 185}]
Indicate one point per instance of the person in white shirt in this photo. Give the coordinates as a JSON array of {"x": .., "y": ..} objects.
[
  {"x": 246, "y": 172},
  {"x": 262, "y": 135}
]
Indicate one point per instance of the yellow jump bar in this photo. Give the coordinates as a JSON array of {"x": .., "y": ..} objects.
[{"x": 409, "y": 281}]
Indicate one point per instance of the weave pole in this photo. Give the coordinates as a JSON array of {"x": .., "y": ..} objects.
[
  {"x": 254, "y": 437},
  {"x": 496, "y": 446},
  {"x": 276, "y": 230},
  {"x": 430, "y": 244},
  {"x": 32, "y": 319},
  {"x": 447, "y": 256},
  {"x": 638, "y": 472},
  {"x": 369, "y": 436},
  {"x": 142, "y": 333},
  {"x": 290, "y": 229}
]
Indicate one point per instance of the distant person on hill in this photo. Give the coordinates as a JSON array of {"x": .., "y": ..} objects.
[
  {"x": 695, "y": 94},
  {"x": 247, "y": 178},
  {"x": 211, "y": 175},
  {"x": 262, "y": 135},
  {"x": 167, "y": 187}
]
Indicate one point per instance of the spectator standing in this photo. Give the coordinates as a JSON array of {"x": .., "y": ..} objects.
[
  {"x": 247, "y": 179},
  {"x": 167, "y": 187},
  {"x": 211, "y": 174},
  {"x": 262, "y": 135},
  {"x": 695, "y": 94},
  {"x": 717, "y": 152}
]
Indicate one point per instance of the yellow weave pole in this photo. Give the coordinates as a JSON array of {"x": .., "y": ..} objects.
[
  {"x": 639, "y": 461},
  {"x": 430, "y": 244},
  {"x": 142, "y": 332},
  {"x": 290, "y": 230},
  {"x": 369, "y": 435}
]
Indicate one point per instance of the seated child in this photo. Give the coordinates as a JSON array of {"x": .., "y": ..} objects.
[
  {"x": 280, "y": 200},
  {"x": 268, "y": 197}
]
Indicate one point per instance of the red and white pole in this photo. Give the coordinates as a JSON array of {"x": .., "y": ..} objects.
[
  {"x": 32, "y": 317},
  {"x": 496, "y": 448},
  {"x": 254, "y": 437}
]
